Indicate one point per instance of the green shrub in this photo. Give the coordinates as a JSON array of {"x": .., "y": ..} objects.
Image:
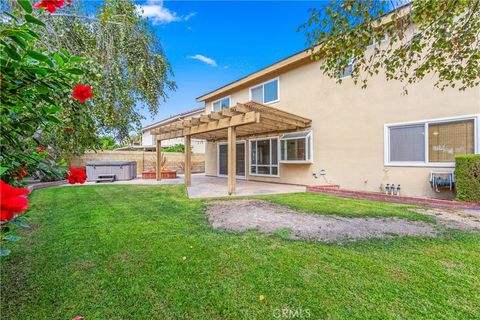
[
  {"x": 467, "y": 177},
  {"x": 175, "y": 148}
]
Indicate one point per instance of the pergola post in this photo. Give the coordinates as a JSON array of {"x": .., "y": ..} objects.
[
  {"x": 158, "y": 164},
  {"x": 188, "y": 161},
  {"x": 232, "y": 149}
]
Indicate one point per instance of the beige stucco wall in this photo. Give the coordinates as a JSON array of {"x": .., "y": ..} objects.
[{"x": 348, "y": 128}]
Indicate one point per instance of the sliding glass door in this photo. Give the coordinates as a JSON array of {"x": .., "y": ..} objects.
[{"x": 222, "y": 159}]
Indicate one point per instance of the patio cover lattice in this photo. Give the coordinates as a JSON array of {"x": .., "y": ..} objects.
[{"x": 242, "y": 120}]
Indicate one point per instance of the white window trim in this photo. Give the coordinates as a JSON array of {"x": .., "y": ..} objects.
[
  {"x": 263, "y": 96},
  {"x": 229, "y": 103},
  {"x": 310, "y": 133},
  {"x": 250, "y": 157},
  {"x": 350, "y": 75},
  {"x": 426, "y": 123},
  {"x": 375, "y": 43},
  {"x": 244, "y": 160}
]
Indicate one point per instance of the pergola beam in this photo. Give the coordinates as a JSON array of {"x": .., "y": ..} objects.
[
  {"x": 195, "y": 121},
  {"x": 232, "y": 156},
  {"x": 216, "y": 115},
  {"x": 158, "y": 164},
  {"x": 254, "y": 106},
  {"x": 205, "y": 119},
  {"x": 274, "y": 117},
  {"x": 229, "y": 113},
  {"x": 188, "y": 161},
  {"x": 238, "y": 120}
]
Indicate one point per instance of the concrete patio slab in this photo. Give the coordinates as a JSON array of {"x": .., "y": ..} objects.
[{"x": 212, "y": 187}]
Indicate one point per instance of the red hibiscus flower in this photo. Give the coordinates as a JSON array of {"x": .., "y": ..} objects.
[
  {"x": 23, "y": 172},
  {"x": 82, "y": 93},
  {"x": 40, "y": 149},
  {"x": 12, "y": 201},
  {"x": 50, "y": 5},
  {"x": 76, "y": 175},
  {"x": 69, "y": 129}
]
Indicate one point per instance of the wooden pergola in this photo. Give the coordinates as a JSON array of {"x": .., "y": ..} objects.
[{"x": 243, "y": 120}]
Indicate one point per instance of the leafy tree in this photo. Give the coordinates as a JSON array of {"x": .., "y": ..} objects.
[
  {"x": 107, "y": 143},
  {"x": 179, "y": 147},
  {"x": 123, "y": 62},
  {"x": 35, "y": 97},
  {"x": 408, "y": 40},
  {"x": 128, "y": 63}
]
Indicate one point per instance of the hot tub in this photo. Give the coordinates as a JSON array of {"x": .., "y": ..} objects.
[{"x": 117, "y": 170}]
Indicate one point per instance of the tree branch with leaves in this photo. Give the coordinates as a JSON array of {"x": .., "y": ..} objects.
[{"x": 407, "y": 40}]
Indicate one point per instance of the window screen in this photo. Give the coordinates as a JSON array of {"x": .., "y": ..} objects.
[
  {"x": 257, "y": 94},
  {"x": 264, "y": 156},
  {"x": 347, "y": 71},
  {"x": 221, "y": 104},
  {"x": 296, "y": 146},
  {"x": 270, "y": 91},
  {"x": 407, "y": 143},
  {"x": 446, "y": 140},
  {"x": 266, "y": 92}
]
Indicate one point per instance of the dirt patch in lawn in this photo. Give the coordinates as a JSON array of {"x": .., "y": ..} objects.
[
  {"x": 468, "y": 220},
  {"x": 267, "y": 217}
]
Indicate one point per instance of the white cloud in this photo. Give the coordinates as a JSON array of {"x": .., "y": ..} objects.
[
  {"x": 155, "y": 10},
  {"x": 202, "y": 58},
  {"x": 190, "y": 15}
]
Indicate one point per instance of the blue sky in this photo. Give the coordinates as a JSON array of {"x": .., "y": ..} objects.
[{"x": 211, "y": 43}]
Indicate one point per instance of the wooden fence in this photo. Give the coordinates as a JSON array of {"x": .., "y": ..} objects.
[{"x": 145, "y": 159}]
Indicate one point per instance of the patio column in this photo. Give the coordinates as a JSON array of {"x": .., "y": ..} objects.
[
  {"x": 232, "y": 170},
  {"x": 158, "y": 164},
  {"x": 188, "y": 161}
]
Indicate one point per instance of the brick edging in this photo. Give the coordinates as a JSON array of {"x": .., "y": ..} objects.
[
  {"x": 43, "y": 185},
  {"x": 376, "y": 196}
]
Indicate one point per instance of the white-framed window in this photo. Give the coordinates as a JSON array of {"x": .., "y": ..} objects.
[
  {"x": 347, "y": 71},
  {"x": 264, "y": 157},
  {"x": 433, "y": 142},
  {"x": 376, "y": 42},
  {"x": 220, "y": 104},
  {"x": 267, "y": 92},
  {"x": 296, "y": 147}
]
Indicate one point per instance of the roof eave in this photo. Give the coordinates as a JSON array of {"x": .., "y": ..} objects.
[
  {"x": 275, "y": 67},
  {"x": 296, "y": 57}
]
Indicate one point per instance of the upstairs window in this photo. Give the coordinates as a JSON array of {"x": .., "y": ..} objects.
[
  {"x": 376, "y": 42},
  {"x": 221, "y": 104},
  {"x": 265, "y": 93},
  {"x": 296, "y": 147},
  {"x": 347, "y": 71}
]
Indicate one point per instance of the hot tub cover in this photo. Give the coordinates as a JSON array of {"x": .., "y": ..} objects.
[{"x": 109, "y": 163}]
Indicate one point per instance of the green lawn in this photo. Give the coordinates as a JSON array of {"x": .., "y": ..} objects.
[
  {"x": 116, "y": 252},
  {"x": 331, "y": 205}
]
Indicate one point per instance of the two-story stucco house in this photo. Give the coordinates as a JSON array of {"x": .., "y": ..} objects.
[{"x": 292, "y": 124}]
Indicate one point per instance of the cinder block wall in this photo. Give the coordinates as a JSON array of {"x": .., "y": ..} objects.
[{"x": 145, "y": 159}]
